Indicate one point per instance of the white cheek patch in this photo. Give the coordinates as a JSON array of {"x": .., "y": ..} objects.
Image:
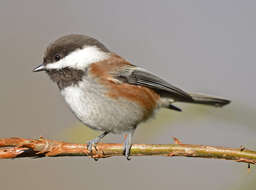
[{"x": 80, "y": 59}]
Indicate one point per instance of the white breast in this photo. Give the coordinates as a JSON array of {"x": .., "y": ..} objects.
[{"x": 89, "y": 103}]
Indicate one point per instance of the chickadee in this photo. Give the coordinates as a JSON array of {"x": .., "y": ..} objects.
[{"x": 108, "y": 93}]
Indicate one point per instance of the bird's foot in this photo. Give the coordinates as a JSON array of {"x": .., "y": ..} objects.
[
  {"x": 127, "y": 146},
  {"x": 94, "y": 142},
  {"x": 127, "y": 150}
]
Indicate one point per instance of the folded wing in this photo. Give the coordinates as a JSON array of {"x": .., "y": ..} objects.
[{"x": 139, "y": 76}]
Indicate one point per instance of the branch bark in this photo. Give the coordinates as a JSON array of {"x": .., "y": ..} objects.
[{"x": 38, "y": 148}]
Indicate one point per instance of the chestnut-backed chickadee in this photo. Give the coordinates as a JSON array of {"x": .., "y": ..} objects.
[{"x": 108, "y": 93}]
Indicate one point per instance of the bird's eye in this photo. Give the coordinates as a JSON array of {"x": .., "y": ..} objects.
[{"x": 57, "y": 57}]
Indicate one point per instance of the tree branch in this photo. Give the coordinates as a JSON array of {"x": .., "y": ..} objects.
[{"x": 36, "y": 148}]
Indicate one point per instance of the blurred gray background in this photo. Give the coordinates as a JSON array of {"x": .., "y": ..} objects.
[{"x": 201, "y": 45}]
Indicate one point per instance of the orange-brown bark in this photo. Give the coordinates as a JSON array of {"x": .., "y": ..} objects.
[{"x": 20, "y": 147}]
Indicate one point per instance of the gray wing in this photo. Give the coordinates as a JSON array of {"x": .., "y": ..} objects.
[{"x": 138, "y": 76}]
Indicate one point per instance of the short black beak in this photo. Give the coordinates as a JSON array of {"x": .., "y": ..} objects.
[{"x": 39, "y": 68}]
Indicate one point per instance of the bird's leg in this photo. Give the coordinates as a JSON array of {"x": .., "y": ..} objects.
[
  {"x": 128, "y": 145},
  {"x": 93, "y": 142}
]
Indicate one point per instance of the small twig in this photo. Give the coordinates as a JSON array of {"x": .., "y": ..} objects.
[
  {"x": 177, "y": 141},
  {"x": 37, "y": 148}
]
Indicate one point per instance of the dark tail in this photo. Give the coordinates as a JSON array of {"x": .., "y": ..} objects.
[{"x": 208, "y": 100}]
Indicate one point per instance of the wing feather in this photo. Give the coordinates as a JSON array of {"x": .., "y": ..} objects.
[{"x": 138, "y": 76}]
